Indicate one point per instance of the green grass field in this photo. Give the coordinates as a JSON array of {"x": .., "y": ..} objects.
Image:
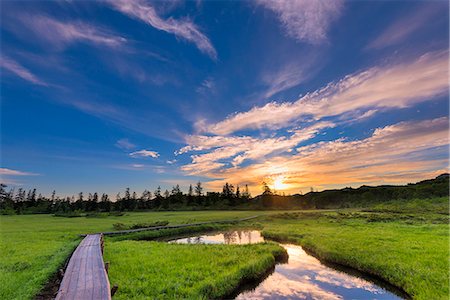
[
  {"x": 409, "y": 250},
  {"x": 153, "y": 270},
  {"x": 33, "y": 247}
]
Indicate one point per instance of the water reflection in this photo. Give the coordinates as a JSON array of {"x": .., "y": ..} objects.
[
  {"x": 303, "y": 277},
  {"x": 239, "y": 237}
]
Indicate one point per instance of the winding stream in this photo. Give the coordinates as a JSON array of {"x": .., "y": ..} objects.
[{"x": 302, "y": 277}]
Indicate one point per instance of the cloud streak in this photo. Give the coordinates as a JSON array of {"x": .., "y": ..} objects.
[
  {"x": 63, "y": 34},
  {"x": 184, "y": 29},
  {"x": 125, "y": 144},
  {"x": 406, "y": 26},
  {"x": 10, "y": 172},
  {"x": 19, "y": 70},
  {"x": 396, "y": 86},
  {"x": 290, "y": 75},
  {"x": 305, "y": 20},
  {"x": 144, "y": 153}
]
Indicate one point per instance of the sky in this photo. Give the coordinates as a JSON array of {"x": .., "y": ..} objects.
[{"x": 97, "y": 96}]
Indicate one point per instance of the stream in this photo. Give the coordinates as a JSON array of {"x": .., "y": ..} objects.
[{"x": 303, "y": 276}]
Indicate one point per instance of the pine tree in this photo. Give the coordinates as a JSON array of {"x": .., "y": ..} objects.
[
  {"x": 190, "y": 195},
  {"x": 198, "y": 189},
  {"x": 266, "y": 189},
  {"x": 127, "y": 194},
  {"x": 158, "y": 192}
]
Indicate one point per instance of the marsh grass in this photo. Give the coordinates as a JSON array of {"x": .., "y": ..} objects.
[
  {"x": 409, "y": 251},
  {"x": 34, "y": 247},
  {"x": 152, "y": 270}
]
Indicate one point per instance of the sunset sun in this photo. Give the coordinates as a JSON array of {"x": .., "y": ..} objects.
[{"x": 278, "y": 183}]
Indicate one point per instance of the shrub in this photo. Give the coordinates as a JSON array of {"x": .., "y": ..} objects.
[
  {"x": 146, "y": 225},
  {"x": 119, "y": 226},
  {"x": 70, "y": 214},
  {"x": 116, "y": 213},
  {"x": 8, "y": 211}
]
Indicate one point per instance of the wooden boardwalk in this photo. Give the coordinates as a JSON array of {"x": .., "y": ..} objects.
[{"x": 85, "y": 277}]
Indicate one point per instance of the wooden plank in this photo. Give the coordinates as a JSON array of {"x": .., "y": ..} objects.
[{"x": 85, "y": 276}]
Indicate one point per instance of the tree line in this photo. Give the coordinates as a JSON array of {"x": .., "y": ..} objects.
[{"x": 21, "y": 201}]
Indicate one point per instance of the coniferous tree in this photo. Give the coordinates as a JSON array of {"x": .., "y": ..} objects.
[
  {"x": 228, "y": 193},
  {"x": 266, "y": 195},
  {"x": 199, "y": 193},
  {"x": 266, "y": 189},
  {"x": 6, "y": 199},
  {"x": 33, "y": 195},
  {"x": 190, "y": 196},
  {"x": 20, "y": 196},
  {"x": 198, "y": 189},
  {"x": 176, "y": 194},
  {"x": 158, "y": 197},
  {"x": 238, "y": 195},
  {"x": 246, "y": 193}
]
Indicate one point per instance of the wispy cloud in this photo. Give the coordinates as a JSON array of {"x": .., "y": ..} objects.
[
  {"x": 99, "y": 109},
  {"x": 399, "y": 153},
  {"x": 406, "y": 26},
  {"x": 144, "y": 153},
  {"x": 233, "y": 151},
  {"x": 207, "y": 86},
  {"x": 185, "y": 28},
  {"x": 131, "y": 69},
  {"x": 19, "y": 70},
  {"x": 8, "y": 176},
  {"x": 305, "y": 20},
  {"x": 10, "y": 172},
  {"x": 66, "y": 33},
  {"x": 282, "y": 80},
  {"x": 125, "y": 144},
  {"x": 395, "y": 86}
]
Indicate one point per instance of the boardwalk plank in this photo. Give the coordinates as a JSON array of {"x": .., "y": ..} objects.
[{"x": 85, "y": 276}]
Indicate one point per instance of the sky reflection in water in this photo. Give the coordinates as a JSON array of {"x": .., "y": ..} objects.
[{"x": 303, "y": 277}]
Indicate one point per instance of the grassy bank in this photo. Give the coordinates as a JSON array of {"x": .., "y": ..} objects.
[
  {"x": 172, "y": 271},
  {"x": 33, "y": 247},
  {"x": 405, "y": 243},
  {"x": 409, "y": 251}
]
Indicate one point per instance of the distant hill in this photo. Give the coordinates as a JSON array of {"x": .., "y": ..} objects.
[{"x": 363, "y": 196}]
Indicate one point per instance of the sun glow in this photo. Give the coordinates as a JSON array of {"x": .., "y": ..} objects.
[{"x": 278, "y": 183}]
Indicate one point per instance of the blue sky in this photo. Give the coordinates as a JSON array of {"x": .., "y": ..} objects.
[{"x": 100, "y": 96}]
